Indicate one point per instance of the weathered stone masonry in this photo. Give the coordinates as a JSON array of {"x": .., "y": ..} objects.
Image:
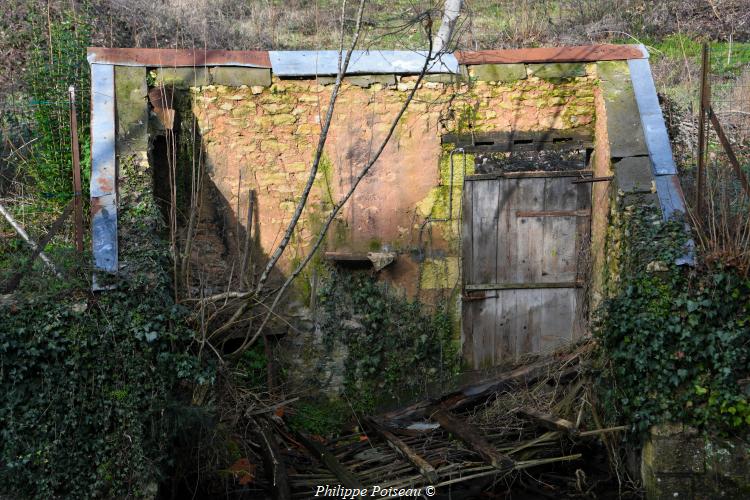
[
  {"x": 262, "y": 138},
  {"x": 257, "y": 132}
]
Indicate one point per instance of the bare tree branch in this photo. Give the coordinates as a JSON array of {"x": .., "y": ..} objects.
[
  {"x": 343, "y": 65},
  {"x": 340, "y": 204},
  {"x": 25, "y": 236}
]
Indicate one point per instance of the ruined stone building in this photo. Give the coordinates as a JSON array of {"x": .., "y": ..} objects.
[{"x": 494, "y": 193}]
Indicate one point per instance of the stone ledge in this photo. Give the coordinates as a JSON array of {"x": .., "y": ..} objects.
[
  {"x": 633, "y": 175},
  {"x": 497, "y": 72},
  {"x": 363, "y": 81},
  {"x": 557, "y": 70},
  {"x": 183, "y": 77},
  {"x": 237, "y": 76}
]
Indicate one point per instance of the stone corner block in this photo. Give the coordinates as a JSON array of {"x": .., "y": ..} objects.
[
  {"x": 235, "y": 76},
  {"x": 132, "y": 109},
  {"x": 497, "y": 72},
  {"x": 612, "y": 70},
  {"x": 557, "y": 70}
]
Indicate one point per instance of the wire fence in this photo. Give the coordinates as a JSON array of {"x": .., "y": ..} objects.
[
  {"x": 721, "y": 209},
  {"x": 18, "y": 139},
  {"x": 729, "y": 80}
]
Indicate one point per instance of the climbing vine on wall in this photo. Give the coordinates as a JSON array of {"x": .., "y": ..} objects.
[
  {"x": 395, "y": 346},
  {"x": 674, "y": 339}
]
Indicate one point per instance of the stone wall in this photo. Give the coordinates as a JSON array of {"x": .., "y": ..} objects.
[
  {"x": 261, "y": 136},
  {"x": 679, "y": 462}
]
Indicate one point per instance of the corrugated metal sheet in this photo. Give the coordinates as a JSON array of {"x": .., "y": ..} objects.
[
  {"x": 171, "y": 58},
  {"x": 652, "y": 119},
  {"x": 325, "y": 62},
  {"x": 103, "y": 169},
  {"x": 581, "y": 53}
]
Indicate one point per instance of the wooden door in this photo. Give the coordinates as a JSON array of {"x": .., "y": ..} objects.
[{"x": 524, "y": 244}]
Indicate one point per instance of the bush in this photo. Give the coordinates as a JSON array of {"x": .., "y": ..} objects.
[
  {"x": 89, "y": 394},
  {"x": 674, "y": 340},
  {"x": 57, "y": 60}
]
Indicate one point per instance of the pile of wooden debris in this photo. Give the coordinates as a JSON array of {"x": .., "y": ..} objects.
[{"x": 532, "y": 430}]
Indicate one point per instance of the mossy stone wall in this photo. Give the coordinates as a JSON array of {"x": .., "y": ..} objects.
[
  {"x": 263, "y": 138},
  {"x": 679, "y": 462}
]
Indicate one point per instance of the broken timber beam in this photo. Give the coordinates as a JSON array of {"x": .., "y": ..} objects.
[
  {"x": 471, "y": 437},
  {"x": 344, "y": 475},
  {"x": 550, "y": 422},
  {"x": 472, "y": 393},
  {"x": 405, "y": 451},
  {"x": 273, "y": 463}
]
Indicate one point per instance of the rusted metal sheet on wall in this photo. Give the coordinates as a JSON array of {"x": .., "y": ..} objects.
[
  {"x": 325, "y": 62},
  {"x": 104, "y": 232},
  {"x": 178, "y": 57},
  {"x": 103, "y": 168},
  {"x": 581, "y": 53}
]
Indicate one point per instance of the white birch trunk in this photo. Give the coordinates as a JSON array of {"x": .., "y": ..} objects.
[{"x": 450, "y": 15}]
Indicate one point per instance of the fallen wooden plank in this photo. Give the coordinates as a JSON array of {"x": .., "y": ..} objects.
[
  {"x": 477, "y": 391},
  {"x": 550, "y": 422},
  {"x": 273, "y": 463},
  {"x": 471, "y": 437},
  {"x": 405, "y": 451},
  {"x": 344, "y": 475}
]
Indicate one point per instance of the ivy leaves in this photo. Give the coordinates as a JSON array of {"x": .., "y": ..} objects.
[
  {"x": 394, "y": 346},
  {"x": 87, "y": 398},
  {"x": 675, "y": 340}
]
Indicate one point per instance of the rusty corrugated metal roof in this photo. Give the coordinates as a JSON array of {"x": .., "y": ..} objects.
[
  {"x": 178, "y": 57},
  {"x": 580, "y": 53}
]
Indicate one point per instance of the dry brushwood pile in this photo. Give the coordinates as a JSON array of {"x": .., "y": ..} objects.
[{"x": 532, "y": 429}]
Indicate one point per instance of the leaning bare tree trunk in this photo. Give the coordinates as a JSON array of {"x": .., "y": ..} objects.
[
  {"x": 339, "y": 205},
  {"x": 25, "y": 236},
  {"x": 343, "y": 65},
  {"x": 450, "y": 15},
  {"x": 319, "y": 151}
]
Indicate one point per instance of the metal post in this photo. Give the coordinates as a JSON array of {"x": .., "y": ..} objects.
[
  {"x": 77, "y": 199},
  {"x": 704, "y": 105}
]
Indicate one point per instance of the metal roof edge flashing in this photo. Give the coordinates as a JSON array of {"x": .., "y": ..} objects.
[
  {"x": 300, "y": 63},
  {"x": 667, "y": 184},
  {"x": 177, "y": 57}
]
